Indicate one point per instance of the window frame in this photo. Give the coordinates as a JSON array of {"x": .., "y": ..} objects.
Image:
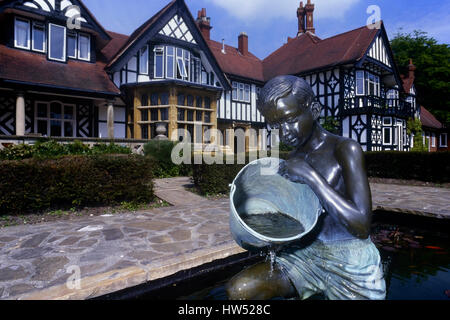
[
  {"x": 441, "y": 145},
  {"x": 50, "y": 25},
  {"x": 79, "y": 36},
  {"x": 363, "y": 83},
  {"x": 146, "y": 71},
  {"x": 390, "y": 136},
  {"x": 249, "y": 91},
  {"x": 44, "y": 45},
  {"x": 72, "y": 34},
  {"x": 49, "y": 119},
  {"x": 28, "y": 47},
  {"x": 433, "y": 140},
  {"x": 159, "y": 50}
]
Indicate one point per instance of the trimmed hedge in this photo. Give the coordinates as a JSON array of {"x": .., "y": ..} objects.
[
  {"x": 53, "y": 149},
  {"x": 216, "y": 178},
  {"x": 37, "y": 184},
  {"x": 422, "y": 166}
]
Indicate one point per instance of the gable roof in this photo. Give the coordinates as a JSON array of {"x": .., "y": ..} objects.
[
  {"x": 234, "y": 63},
  {"x": 139, "y": 32},
  {"x": 307, "y": 53},
  {"x": 428, "y": 120},
  {"x": 153, "y": 26}
]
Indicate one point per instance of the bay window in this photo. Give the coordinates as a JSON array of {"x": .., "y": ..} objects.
[
  {"x": 38, "y": 36},
  {"x": 367, "y": 84},
  {"x": 22, "y": 33},
  {"x": 84, "y": 47},
  {"x": 57, "y": 41}
]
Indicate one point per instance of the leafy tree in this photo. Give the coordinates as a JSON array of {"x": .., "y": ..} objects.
[
  {"x": 331, "y": 124},
  {"x": 415, "y": 127},
  {"x": 433, "y": 69}
]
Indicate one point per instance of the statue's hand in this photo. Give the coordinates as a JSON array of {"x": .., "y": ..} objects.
[{"x": 296, "y": 170}]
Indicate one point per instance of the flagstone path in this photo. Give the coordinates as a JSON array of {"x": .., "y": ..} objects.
[{"x": 114, "y": 252}]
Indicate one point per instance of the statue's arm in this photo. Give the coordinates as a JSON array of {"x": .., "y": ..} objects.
[{"x": 354, "y": 208}]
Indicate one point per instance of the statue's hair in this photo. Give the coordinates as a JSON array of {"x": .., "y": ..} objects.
[{"x": 280, "y": 87}]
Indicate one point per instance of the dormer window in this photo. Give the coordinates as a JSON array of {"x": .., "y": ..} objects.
[
  {"x": 57, "y": 42},
  {"x": 22, "y": 34},
  {"x": 39, "y": 41}
]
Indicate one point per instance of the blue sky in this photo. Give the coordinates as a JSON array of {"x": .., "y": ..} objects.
[{"x": 269, "y": 22}]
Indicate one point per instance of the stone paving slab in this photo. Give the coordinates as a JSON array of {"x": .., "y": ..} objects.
[
  {"x": 173, "y": 190},
  {"x": 421, "y": 201},
  {"x": 112, "y": 252},
  {"x": 115, "y": 252}
]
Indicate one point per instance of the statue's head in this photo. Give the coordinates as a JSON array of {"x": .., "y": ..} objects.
[{"x": 288, "y": 103}]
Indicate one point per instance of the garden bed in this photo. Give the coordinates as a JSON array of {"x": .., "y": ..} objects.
[{"x": 73, "y": 213}]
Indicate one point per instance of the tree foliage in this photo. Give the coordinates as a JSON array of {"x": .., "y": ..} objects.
[{"x": 433, "y": 69}]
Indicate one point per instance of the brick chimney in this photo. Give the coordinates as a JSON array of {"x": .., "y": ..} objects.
[
  {"x": 309, "y": 8},
  {"x": 412, "y": 70},
  {"x": 204, "y": 23},
  {"x": 301, "y": 19},
  {"x": 243, "y": 43}
]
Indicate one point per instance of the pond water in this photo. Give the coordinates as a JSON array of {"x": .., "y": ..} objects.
[
  {"x": 274, "y": 225},
  {"x": 415, "y": 254}
]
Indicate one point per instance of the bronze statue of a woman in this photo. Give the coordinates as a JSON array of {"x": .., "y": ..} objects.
[{"x": 340, "y": 261}]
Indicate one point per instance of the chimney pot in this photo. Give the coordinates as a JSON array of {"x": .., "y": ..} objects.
[
  {"x": 243, "y": 43},
  {"x": 204, "y": 24}
]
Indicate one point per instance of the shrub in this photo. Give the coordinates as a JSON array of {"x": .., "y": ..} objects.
[
  {"x": 216, "y": 178},
  {"x": 36, "y": 184},
  {"x": 53, "y": 149},
  {"x": 161, "y": 152},
  {"x": 423, "y": 166}
]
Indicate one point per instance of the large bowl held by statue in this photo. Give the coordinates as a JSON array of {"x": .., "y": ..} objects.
[{"x": 259, "y": 189}]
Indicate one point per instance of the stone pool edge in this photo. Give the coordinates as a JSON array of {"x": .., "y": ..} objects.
[{"x": 120, "y": 279}]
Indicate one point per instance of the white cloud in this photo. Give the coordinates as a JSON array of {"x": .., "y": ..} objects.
[
  {"x": 251, "y": 10},
  {"x": 434, "y": 23}
]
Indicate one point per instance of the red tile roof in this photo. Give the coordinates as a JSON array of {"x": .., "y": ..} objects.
[
  {"x": 117, "y": 42},
  {"x": 30, "y": 67},
  {"x": 307, "y": 52},
  {"x": 428, "y": 120},
  {"x": 233, "y": 62},
  {"x": 407, "y": 84}
]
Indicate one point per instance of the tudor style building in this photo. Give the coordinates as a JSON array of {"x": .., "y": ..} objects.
[{"x": 63, "y": 75}]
